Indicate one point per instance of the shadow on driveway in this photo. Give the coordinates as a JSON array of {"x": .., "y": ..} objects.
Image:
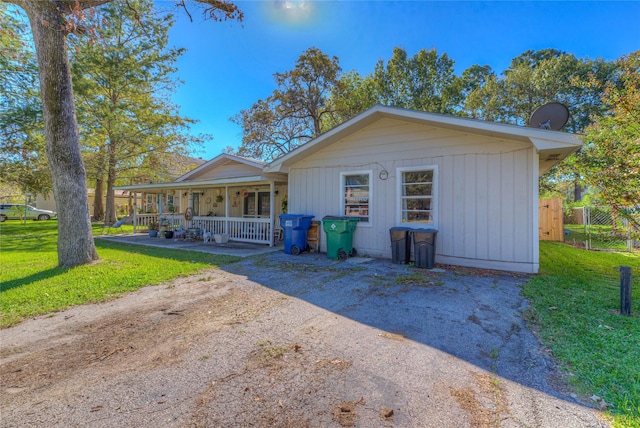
[{"x": 476, "y": 318}]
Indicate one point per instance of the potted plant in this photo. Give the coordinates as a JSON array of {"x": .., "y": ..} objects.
[
  {"x": 153, "y": 229},
  {"x": 219, "y": 198}
]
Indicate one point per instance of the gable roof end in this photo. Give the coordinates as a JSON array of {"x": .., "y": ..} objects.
[
  {"x": 220, "y": 159},
  {"x": 553, "y": 146}
]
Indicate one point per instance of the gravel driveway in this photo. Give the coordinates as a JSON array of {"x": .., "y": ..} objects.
[{"x": 285, "y": 341}]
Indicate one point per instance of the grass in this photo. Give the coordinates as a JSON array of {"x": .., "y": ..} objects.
[
  {"x": 576, "y": 307},
  {"x": 418, "y": 278},
  {"x": 601, "y": 236},
  {"x": 32, "y": 284}
]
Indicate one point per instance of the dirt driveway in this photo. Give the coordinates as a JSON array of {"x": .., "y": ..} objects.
[{"x": 284, "y": 341}]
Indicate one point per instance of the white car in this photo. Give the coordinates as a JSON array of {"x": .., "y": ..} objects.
[{"x": 19, "y": 211}]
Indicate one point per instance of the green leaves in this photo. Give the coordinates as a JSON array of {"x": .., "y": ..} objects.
[
  {"x": 297, "y": 111},
  {"x": 23, "y": 163},
  {"x": 611, "y": 161},
  {"x": 123, "y": 81}
]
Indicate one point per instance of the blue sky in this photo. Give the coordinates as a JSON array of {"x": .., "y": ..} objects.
[{"x": 228, "y": 66}]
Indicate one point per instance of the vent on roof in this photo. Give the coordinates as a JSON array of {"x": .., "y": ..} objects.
[{"x": 553, "y": 157}]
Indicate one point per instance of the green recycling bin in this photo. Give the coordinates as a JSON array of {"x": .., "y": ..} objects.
[{"x": 339, "y": 231}]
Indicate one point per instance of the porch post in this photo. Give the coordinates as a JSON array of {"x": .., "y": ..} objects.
[
  {"x": 226, "y": 209},
  {"x": 272, "y": 205},
  {"x": 135, "y": 204}
]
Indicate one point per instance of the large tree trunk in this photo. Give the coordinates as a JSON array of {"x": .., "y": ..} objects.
[
  {"x": 111, "y": 180},
  {"x": 98, "y": 201},
  {"x": 75, "y": 239}
]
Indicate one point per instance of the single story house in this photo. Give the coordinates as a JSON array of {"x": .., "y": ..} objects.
[
  {"x": 227, "y": 195},
  {"x": 475, "y": 182}
]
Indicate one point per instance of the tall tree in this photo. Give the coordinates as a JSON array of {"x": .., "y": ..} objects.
[
  {"x": 479, "y": 90},
  {"x": 22, "y": 159},
  {"x": 297, "y": 111},
  {"x": 611, "y": 161},
  {"x": 122, "y": 83},
  {"x": 535, "y": 78},
  {"x": 424, "y": 82},
  {"x": 352, "y": 96},
  {"x": 51, "y": 21}
]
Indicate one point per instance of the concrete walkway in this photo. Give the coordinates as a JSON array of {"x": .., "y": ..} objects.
[{"x": 239, "y": 249}]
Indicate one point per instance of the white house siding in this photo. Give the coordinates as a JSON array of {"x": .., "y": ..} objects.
[
  {"x": 486, "y": 191},
  {"x": 230, "y": 169}
]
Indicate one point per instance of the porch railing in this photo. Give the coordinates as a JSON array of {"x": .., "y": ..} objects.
[
  {"x": 255, "y": 230},
  {"x": 144, "y": 220}
]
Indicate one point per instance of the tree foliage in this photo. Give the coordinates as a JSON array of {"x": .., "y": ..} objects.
[
  {"x": 51, "y": 22},
  {"x": 611, "y": 161},
  {"x": 533, "y": 79},
  {"x": 297, "y": 110},
  {"x": 122, "y": 83},
  {"x": 22, "y": 158},
  {"x": 424, "y": 82}
]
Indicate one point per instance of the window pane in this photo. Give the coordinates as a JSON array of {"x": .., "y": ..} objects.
[
  {"x": 418, "y": 176},
  {"x": 417, "y": 189},
  {"x": 357, "y": 180},
  {"x": 356, "y": 196},
  {"x": 416, "y": 196},
  {"x": 416, "y": 204},
  {"x": 423, "y": 217}
]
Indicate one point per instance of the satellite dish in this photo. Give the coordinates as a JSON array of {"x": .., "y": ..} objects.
[{"x": 550, "y": 116}]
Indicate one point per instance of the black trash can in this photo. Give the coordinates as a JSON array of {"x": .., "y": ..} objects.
[
  {"x": 424, "y": 248},
  {"x": 400, "y": 245}
]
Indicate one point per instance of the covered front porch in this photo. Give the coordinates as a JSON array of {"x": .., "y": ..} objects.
[{"x": 243, "y": 211}]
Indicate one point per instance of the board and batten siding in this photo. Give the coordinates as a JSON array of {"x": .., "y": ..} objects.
[
  {"x": 485, "y": 195},
  {"x": 228, "y": 170}
]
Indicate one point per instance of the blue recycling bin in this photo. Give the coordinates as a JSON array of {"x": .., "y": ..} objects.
[{"x": 295, "y": 228}]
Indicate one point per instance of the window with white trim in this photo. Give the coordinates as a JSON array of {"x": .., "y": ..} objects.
[
  {"x": 356, "y": 194},
  {"x": 418, "y": 194}
]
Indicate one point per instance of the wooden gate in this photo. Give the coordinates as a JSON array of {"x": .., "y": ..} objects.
[{"x": 550, "y": 220}]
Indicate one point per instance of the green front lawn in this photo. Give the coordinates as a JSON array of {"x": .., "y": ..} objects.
[
  {"x": 576, "y": 307},
  {"x": 31, "y": 283}
]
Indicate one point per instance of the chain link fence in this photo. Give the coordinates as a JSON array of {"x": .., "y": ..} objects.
[{"x": 600, "y": 228}]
